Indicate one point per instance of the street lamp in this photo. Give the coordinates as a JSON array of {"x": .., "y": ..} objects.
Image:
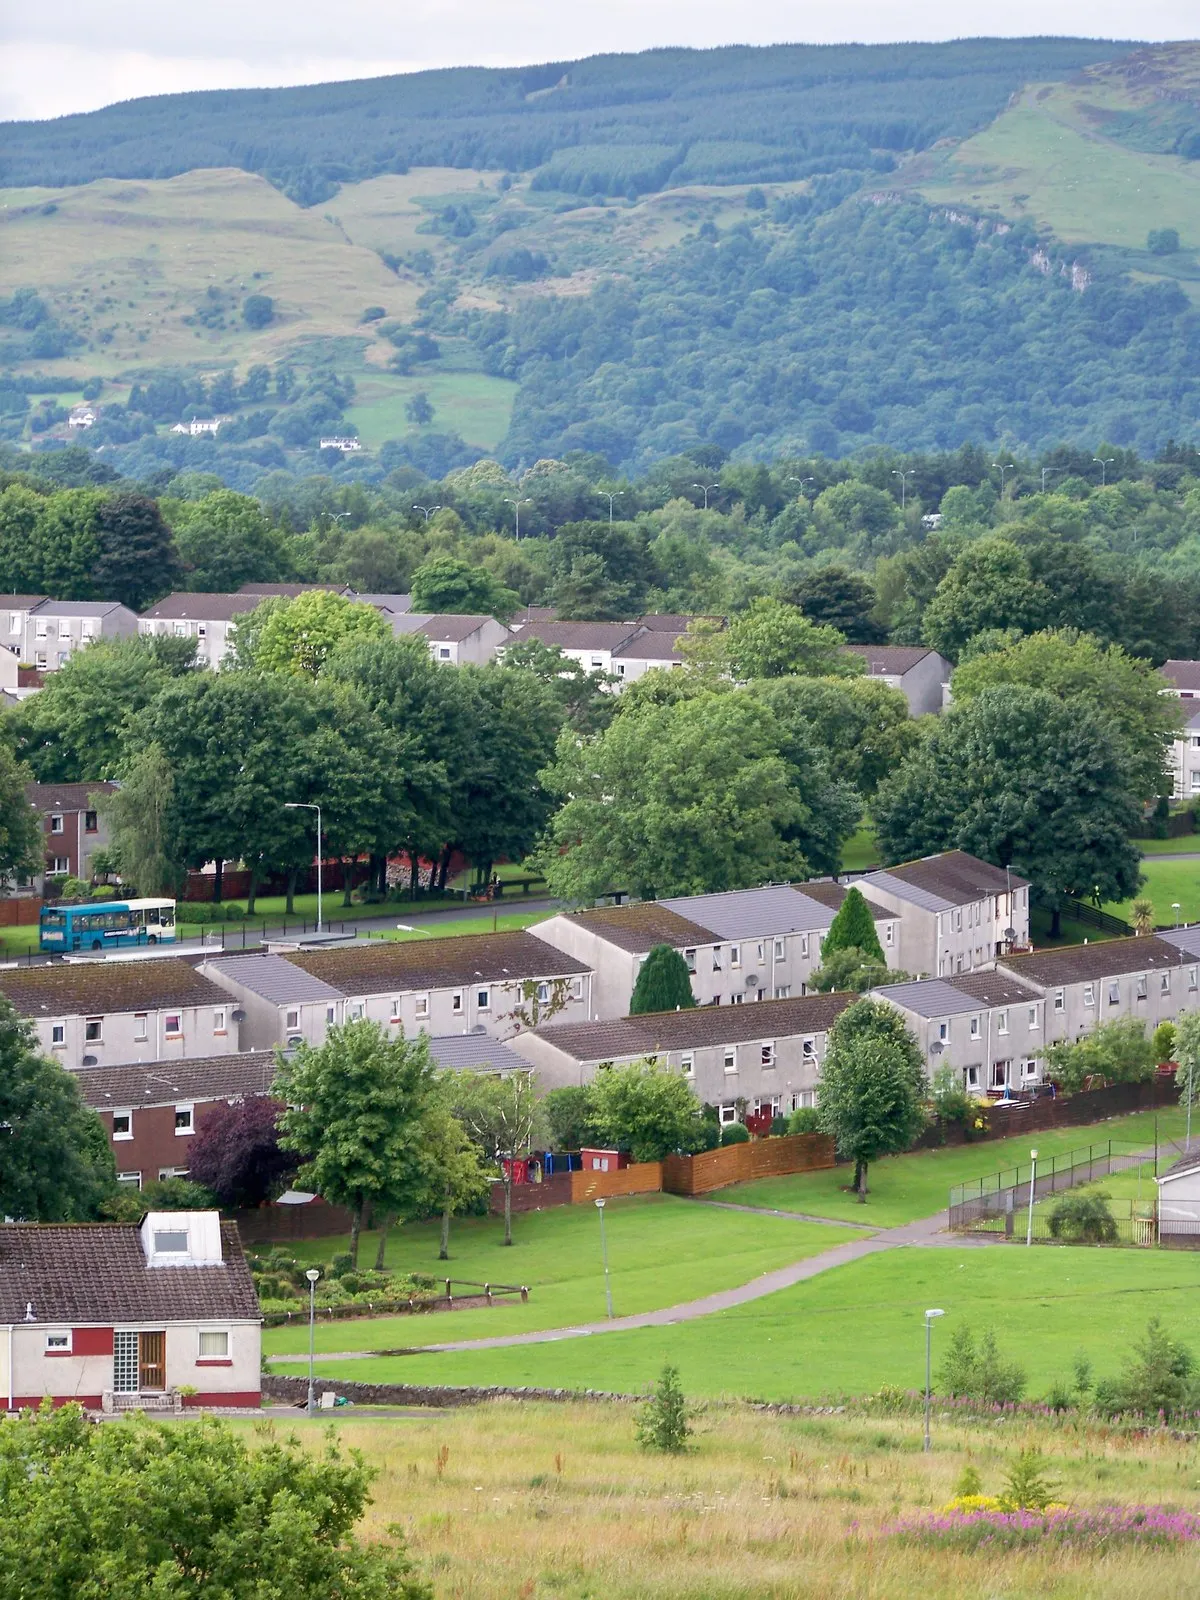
[
  {"x": 1104, "y": 462},
  {"x": 704, "y": 488},
  {"x": 312, "y": 1275},
  {"x": 604, "y": 1252},
  {"x": 1175, "y": 908},
  {"x": 604, "y": 495},
  {"x": 1032, "y": 1187},
  {"x": 904, "y": 477},
  {"x": 800, "y": 481},
  {"x": 308, "y": 805},
  {"x": 929, "y": 1321},
  {"x": 1045, "y": 470},
  {"x": 516, "y": 505},
  {"x": 1003, "y": 467},
  {"x": 428, "y": 510}
]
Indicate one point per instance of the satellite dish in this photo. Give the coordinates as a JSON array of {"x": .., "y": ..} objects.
[
  {"x": 752, "y": 981},
  {"x": 90, "y": 1061},
  {"x": 479, "y": 1028},
  {"x": 239, "y": 1015}
]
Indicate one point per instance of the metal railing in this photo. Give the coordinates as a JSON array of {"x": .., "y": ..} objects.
[
  {"x": 426, "y": 1301},
  {"x": 973, "y": 1204}
]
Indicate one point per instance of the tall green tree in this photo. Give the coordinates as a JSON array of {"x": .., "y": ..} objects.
[
  {"x": 853, "y": 928},
  {"x": 1021, "y": 779},
  {"x": 772, "y": 640},
  {"x": 446, "y": 584},
  {"x": 299, "y": 636},
  {"x": 990, "y": 585},
  {"x": 663, "y": 983},
  {"x": 225, "y": 539},
  {"x": 137, "y": 559},
  {"x": 20, "y": 824},
  {"x": 504, "y": 1119},
  {"x": 648, "y": 1109},
  {"x": 56, "y": 1164},
  {"x": 868, "y": 1102},
  {"x": 355, "y": 1115},
  {"x": 861, "y": 726},
  {"x": 138, "y": 816},
  {"x": 1187, "y": 1053},
  {"x": 835, "y": 597},
  {"x": 141, "y": 1508},
  {"x": 461, "y": 1178}
]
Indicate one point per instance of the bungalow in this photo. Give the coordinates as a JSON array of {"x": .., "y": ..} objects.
[
  {"x": 959, "y": 913},
  {"x": 747, "y": 944},
  {"x": 343, "y": 442},
  {"x": 155, "y": 1315},
  {"x": 102, "y": 1012},
  {"x": 151, "y": 1110},
  {"x": 738, "y": 1058},
  {"x": 74, "y": 830},
  {"x": 82, "y": 417},
  {"x": 988, "y": 1025},
  {"x": 1149, "y": 978},
  {"x": 55, "y": 629},
  {"x": 1179, "y": 1199},
  {"x": 921, "y": 675}
]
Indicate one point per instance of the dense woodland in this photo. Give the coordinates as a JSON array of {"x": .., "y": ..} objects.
[{"x": 715, "y": 115}]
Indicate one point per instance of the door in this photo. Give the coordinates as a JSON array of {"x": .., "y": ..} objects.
[{"x": 152, "y": 1361}]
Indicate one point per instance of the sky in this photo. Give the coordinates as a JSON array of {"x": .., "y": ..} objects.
[{"x": 75, "y": 55}]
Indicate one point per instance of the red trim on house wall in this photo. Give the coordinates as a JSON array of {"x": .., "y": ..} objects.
[
  {"x": 30, "y": 1402},
  {"x": 213, "y": 1361},
  {"x": 91, "y": 1341},
  {"x": 54, "y": 1355},
  {"x": 241, "y": 1398}
]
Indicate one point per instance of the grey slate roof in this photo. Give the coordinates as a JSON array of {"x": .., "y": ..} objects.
[
  {"x": 649, "y": 644},
  {"x": 97, "y": 988},
  {"x": 451, "y": 628},
  {"x": 941, "y": 882},
  {"x": 193, "y": 607},
  {"x": 1184, "y": 675},
  {"x": 993, "y": 988},
  {"x": 1185, "y": 1164},
  {"x": 374, "y": 966},
  {"x": 274, "y": 979},
  {"x": 78, "y": 608},
  {"x": 638, "y": 928},
  {"x": 696, "y": 1028},
  {"x": 474, "y": 1052},
  {"x": 399, "y": 604},
  {"x": 65, "y": 796},
  {"x": 762, "y": 913},
  {"x": 162, "y": 1083},
  {"x": 95, "y": 1272},
  {"x": 581, "y": 635},
  {"x": 890, "y": 660},
  {"x": 1185, "y": 939},
  {"x": 927, "y": 997},
  {"x": 1087, "y": 963}
]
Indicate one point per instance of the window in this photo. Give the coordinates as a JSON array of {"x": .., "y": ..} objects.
[
  {"x": 543, "y": 993},
  {"x": 212, "y": 1344},
  {"x": 456, "y": 1002},
  {"x": 958, "y": 965},
  {"x": 219, "y": 1020},
  {"x": 1165, "y": 983},
  {"x": 728, "y": 1114},
  {"x": 577, "y": 988},
  {"x": 172, "y": 1025},
  {"x": 395, "y": 1008},
  {"x": 93, "y": 1030},
  {"x": 716, "y": 958},
  {"x": 14, "y": 622},
  {"x": 687, "y": 1065},
  {"x": 1192, "y": 979},
  {"x": 1029, "y": 1068},
  {"x": 132, "y": 1180},
  {"x": 170, "y": 1241},
  {"x": 483, "y": 999},
  {"x": 443, "y": 652},
  {"x": 330, "y": 1014},
  {"x": 943, "y": 1031},
  {"x": 597, "y": 663},
  {"x": 783, "y": 991},
  {"x": 1002, "y": 1021},
  {"x": 1089, "y": 994},
  {"x": 90, "y": 822},
  {"x": 780, "y": 950},
  {"x": 61, "y": 864},
  {"x": 958, "y": 922},
  {"x": 58, "y": 1343},
  {"x": 1033, "y": 1019},
  {"x": 184, "y": 1119},
  {"x": 972, "y": 1076},
  {"x": 1140, "y": 991},
  {"x": 422, "y": 1001},
  {"x": 808, "y": 1049},
  {"x": 689, "y": 957},
  {"x": 122, "y": 1125},
  {"x": 171, "y": 1172},
  {"x": 999, "y": 1074},
  {"x": 1114, "y": 994},
  {"x": 202, "y": 630},
  {"x": 737, "y": 998},
  {"x": 356, "y": 1010},
  {"x": 804, "y": 944},
  {"x": 889, "y": 935},
  {"x": 715, "y": 1001},
  {"x": 58, "y": 1033},
  {"x": 56, "y": 824},
  {"x": 1060, "y": 999},
  {"x": 766, "y": 1055},
  {"x": 730, "y": 1060},
  {"x": 64, "y": 628},
  {"x": 291, "y": 1019},
  {"x": 762, "y": 954},
  {"x": 735, "y": 956},
  {"x": 974, "y": 1027},
  {"x": 39, "y": 627}
]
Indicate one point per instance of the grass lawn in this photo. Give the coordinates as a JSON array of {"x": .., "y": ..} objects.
[
  {"x": 531, "y": 1502},
  {"x": 661, "y": 1250},
  {"x": 906, "y": 1187},
  {"x": 857, "y": 1327},
  {"x": 861, "y": 849},
  {"x": 18, "y": 942},
  {"x": 498, "y": 922},
  {"x": 1186, "y": 844},
  {"x": 1167, "y": 882},
  {"x": 1070, "y": 931}
]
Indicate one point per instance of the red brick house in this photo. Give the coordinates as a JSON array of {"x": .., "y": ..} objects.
[{"x": 73, "y": 828}]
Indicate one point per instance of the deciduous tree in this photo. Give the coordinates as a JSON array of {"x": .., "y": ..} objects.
[
  {"x": 504, "y": 1119},
  {"x": 648, "y": 1109},
  {"x": 870, "y": 1100},
  {"x": 235, "y": 1153},
  {"x": 20, "y": 824}
]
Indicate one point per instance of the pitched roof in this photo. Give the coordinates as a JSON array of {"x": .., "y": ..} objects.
[
  {"x": 696, "y": 1028},
  {"x": 21, "y": 602},
  {"x": 941, "y": 882},
  {"x": 163, "y": 1083},
  {"x": 1185, "y": 939},
  {"x": 1185, "y": 1164},
  {"x": 375, "y": 965},
  {"x": 452, "y": 628},
  {"x": 950, "y": 997},
  {"x": 279, "y": 981},
  {"x": 398, "y": 603},
  {"x": 1086, "y": 963},
  {"x": 89, "y": 1272},
  {"x": 475, "y": 1052},
  {"x": 65, "y": 796},
  {"x": 79, "y": 608},
  {"x": 993, "y": 988},
  {"x": 289, "y": 590},
  {"x": 1185, "y": 675},
  {"x": 183, "y": 607},
  {"x": 638, "y": 928},
  {"x": 580, "y": 635},
  {"x": 650, "y": 644},
  {"x": 764, "y": 912},
  {"x": 676, "y": 622},
  {"x": 890, "y": 660},
  {"x": 94, "y": 988}
]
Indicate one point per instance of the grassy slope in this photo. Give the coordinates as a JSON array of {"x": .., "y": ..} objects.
[
  {"x": 1165, "y": 883},
  {"x": 1186, "y": 844},
  {"x": 661, "y": 1250},
  {"x": 548, "y": 1501}
]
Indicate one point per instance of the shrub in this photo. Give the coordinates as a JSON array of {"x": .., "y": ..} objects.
[
  {"x": 1159, "y": 1378},
  {"x": 1162, "y": 241},
  {"x": 804, "y": 1120},
  {"x": 257, "y": 310},
  {"x": 1162, "y": 1041},
  {"x": 735, "y": 1133},
  {"x": 1026, "y": 1484},
  {"x": 950, "y": 1100},
  {"x": 779, "y": 1126},
  {"x": 979, "y": 1372},
  {"x": 1083, "y": 1218},
  {"x": 664, "y": 1422}
]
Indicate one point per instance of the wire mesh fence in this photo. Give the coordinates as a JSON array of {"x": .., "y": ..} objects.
[{"x": 973, "y": 1204}]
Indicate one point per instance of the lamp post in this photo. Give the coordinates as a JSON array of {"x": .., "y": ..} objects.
[
  {"x": 1003, "y": 467},
  {"x": 312, "y": 1275},
  {"x": 308, "y": 805},
  {"x": 428, "y": 510},
  {"x": 1175, "y": 908},
  {"x": 516, "y": 505},
  {"x": 930, "y": 1317},
  {"x": 1032, "y": 1187},
  {"x": 1045, "y": 470},
  {"x": 1104, "y": 462},
  {"x": 704, "y": 489},
  {"x": 604, "y": 495},
  {"x": 904, "y": 477},
  {"x": 604, "y": 1253},
  {"x": 800, "y": 481}
]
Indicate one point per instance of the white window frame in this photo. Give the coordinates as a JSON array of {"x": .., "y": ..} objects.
[
  {"x": 1060, "y": 1000},
  {"x": 727, "y": 1114},
  {"x": 1002, "y": 1021},
  {"x": 974, "y": 1027},
  {"x": 395, "y": 1013},
  {"x": 61, "y": 864},
  {"x": 1034, "y": 1020},
  {"x": 131, "y": 1180},
  {"x": 780, "y": 950},
  {"x": 188, "y": 1110},
  {"x": 127, "y": 1113},
  {"x": 483, "y": 999},
  {"x": 730, "y": 1061},
  {"x": 93, "y": 1030},
  {"x": 58, "y": 1342},
  {"x": 213, "y": 1333},
  {"x": 291, "y": 1019},
  {"x": 735, "y": 957},
  {"x": 456, "y": 1002},
  {"x": 422, "y": 1004},
  {"x": 1114, "y": 993},
  {"x": 1165, "y": 983},
  {"x": 1193, "y": 980},
  {"x": 687, "y": 1064},
  {"x": 766, "y": 1055},
  {"x": 889, "y": 934},
  {"x": 808, "y": 1048},
  {"x": 58, "y": 1035},
  {"x": 783, "y": 991},
  {"x": 1141, "y": 989},
  {"x": 689, "y": 959},
  {"x": 173, "y": 1025},
  {"x": 219, "y": 1017},
  {"x": 716, "y": 958},
  {"x": 1089, "y": 994},
  {"x": 57, "y": 824}
]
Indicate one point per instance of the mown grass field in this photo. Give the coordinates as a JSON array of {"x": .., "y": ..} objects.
[
  {"x": 661, "y": 1250},
  {"x": 1185, "y": 844},
  {"x": 850, "y": 1330},
  {"x": 1165, "y": 883},
  {"x": 549, "y": 1502},
  {"x": 471, "y": 404}
]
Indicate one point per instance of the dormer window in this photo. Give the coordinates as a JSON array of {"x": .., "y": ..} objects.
[{"x": 170, "y": 1242}]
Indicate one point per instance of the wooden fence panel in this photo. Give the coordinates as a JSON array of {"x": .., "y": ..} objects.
[
  {"x": 738, "y": 1163},
  {"x": 644, "y": 1177}
]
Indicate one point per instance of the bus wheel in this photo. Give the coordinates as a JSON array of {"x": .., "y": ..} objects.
[
  {"x": 153, "y": 939},
  {"x": 97, "y": 944}
]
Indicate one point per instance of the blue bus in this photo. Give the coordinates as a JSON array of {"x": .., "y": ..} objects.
[{"x": 106, "y": 925}]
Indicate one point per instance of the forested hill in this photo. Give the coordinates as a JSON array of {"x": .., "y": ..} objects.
[{"x": 616, "y": 124}]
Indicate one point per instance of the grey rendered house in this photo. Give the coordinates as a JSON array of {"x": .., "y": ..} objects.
[
  {"x": 277, "y": 1003},
  {"x": 958, "y": 913},
  {"x": 765, "y": 1057},
  {"x": 1182, "y": 679},
  {"x": 209, "y": 619},
  {"x": 99, "y": 1013},
  {"x": 987, "y": 1025},
  {"x": 55, "y": 629},
  {"x": 744, "y": 945},
  {"x": 1086, "y": 984},
  {"x": 921, "y": 675},
  {"x": 1179, "y": 1199}
]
